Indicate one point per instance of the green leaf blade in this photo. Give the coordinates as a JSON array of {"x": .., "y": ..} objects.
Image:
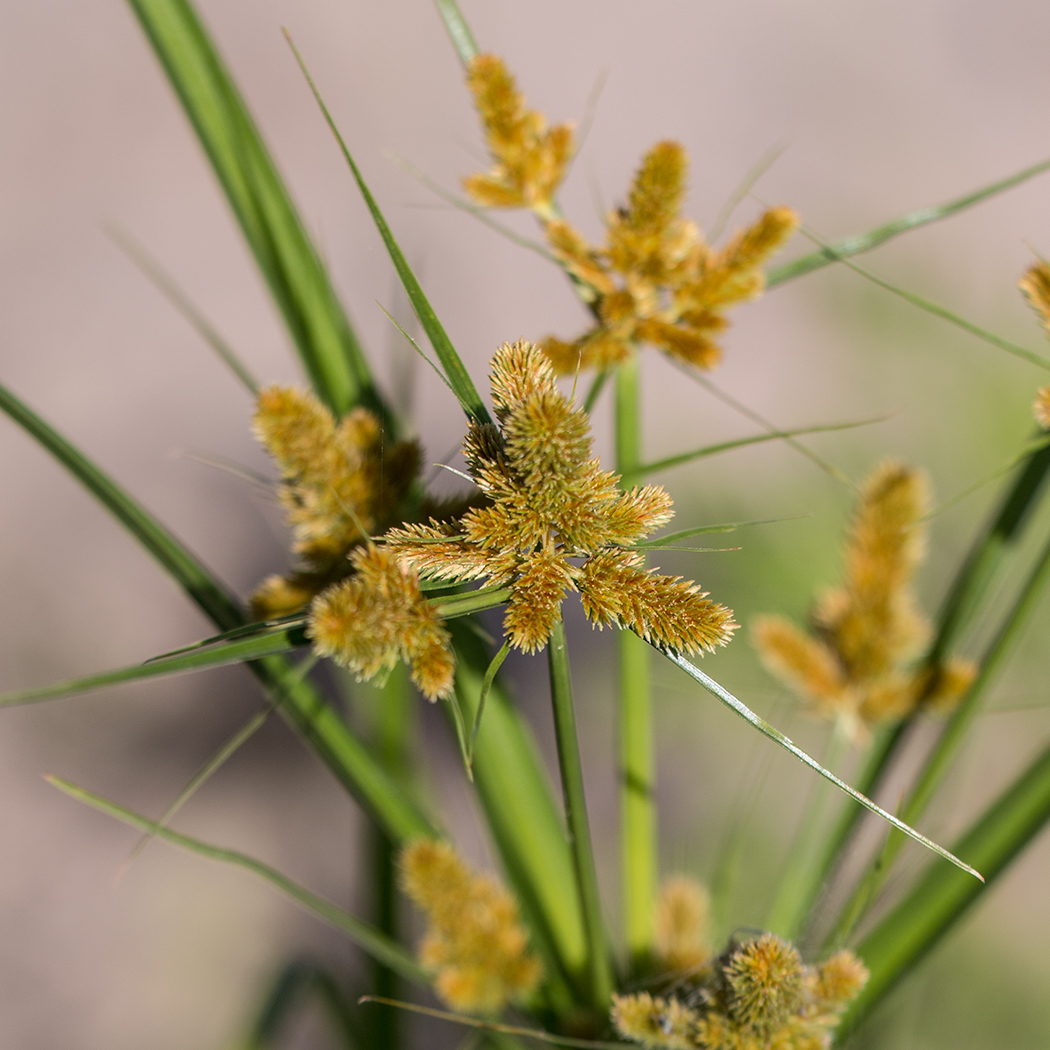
[{"x": 327, "y": 345}]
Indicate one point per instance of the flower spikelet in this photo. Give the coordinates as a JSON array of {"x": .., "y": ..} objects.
[
  {"x": 852, "y": 666},
  {"x": 656, "y": 280},
  {"x": 758, "y": 995},
  {"x": 378, "y": 616},
  {"x": 1036, "y": 288},
  {"x": 341, "y": 482},
  {"x": 765, "y": 981},
  {"x": 475, "y": 942},
  {"x": 529, "y": 159},
  {"x": 555, "y": 522},
  {"x": 682, "y": 926}
]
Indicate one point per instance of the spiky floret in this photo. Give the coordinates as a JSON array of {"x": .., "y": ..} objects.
[
  {"x": 757, "y": 995},
  {"x": 656, "y": 280},
  {"x": 852, "y": 666},
  {"x": 529, "y": 158},
  {"x": 556, "y": 522},
  {"x": 341, "y": 482},
  {"x": 682, "y": 911},
  {"x": 475, "y": 942},
  {"x": 378, "y": 616}
]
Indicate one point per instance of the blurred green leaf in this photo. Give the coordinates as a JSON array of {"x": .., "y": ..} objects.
[
  {"x": 370, "y": 940},
  {"x": 864, "y": 242},
  {"x": 456, "y": 24},
  {"x": 300, "y": 286}
]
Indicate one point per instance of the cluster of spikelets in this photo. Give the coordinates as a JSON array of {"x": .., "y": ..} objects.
[
  {"x": 655, "y": 280},
  {"x": 852, "y": 664},
  {"x": 474, "y": 943},
  {"x": 1036, "y": 288},
  {"x": 756, "y": 995},
  {"x": 554, "y": 521},
  {"x": 529, "y": 159},
  {"x": 341, "y": 483}
]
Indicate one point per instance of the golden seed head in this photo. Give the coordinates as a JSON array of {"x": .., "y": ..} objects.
[
  {"x": 529, "y": 159},
  {"x": 765, "y": 980},
  {"x": 341, "y": 483},
  {"x": 378, "y": 616},
  {"x": 550, "y": 503},
  {"x": 839, "y": 981},
  {"x": 474, "y": 942},
  {"x": 1036, "y": 288}
]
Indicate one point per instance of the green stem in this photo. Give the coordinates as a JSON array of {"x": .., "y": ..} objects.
[
  {"x": 638, "y": 843},
  {"x": 601, "y": 981}
]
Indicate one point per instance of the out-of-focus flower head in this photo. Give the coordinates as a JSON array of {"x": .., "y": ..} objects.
[
  {"x": 1036, "y": 288},
  {"x": 756, "y": 995},
  {"x": 852, "y": 665},
  {"x": 474, "y": 943}
]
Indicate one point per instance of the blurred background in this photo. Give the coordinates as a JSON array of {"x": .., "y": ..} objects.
[{"x": 875, "y": 109}]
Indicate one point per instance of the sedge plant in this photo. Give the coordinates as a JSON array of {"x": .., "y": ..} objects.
[{"x": 425, "y": 594}]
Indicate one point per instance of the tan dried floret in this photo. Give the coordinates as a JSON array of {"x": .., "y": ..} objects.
[
  {"x": 551, "y": 503},
  {"x": 853, "y": 665},
  {"x": 656, "y": 280},
  {"x": 379, "y": 616},
  {"x": 474, "y": 942},
  {"x": 341, "y": 483},
  {"x": 529, "y": 159}
]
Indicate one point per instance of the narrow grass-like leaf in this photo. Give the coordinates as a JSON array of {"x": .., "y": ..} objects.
[
  {"x": 456, "y": 372},
  {"x": 941, "y": 898},
  {"x": 329, "y": 349},
  {"x": 666, "y": 542},
  {"x": 537, "y": 1034},
  {"x": 331, "y": 738},
  {"x": 486, "y": 687},
  {"x": 462, "y": 736},
  {"x": 272, "y": 643},
  {"x": 864, "y": 242},
  {"x": 738, "y": 406},
  {"x": 218, "y": 760},
  {"x": 777, "y": 737},
  {"x": 725, "y": 446},
  {"x": 952, "y": 318},
  {"x": 168, "y": 287},
  {"x": 462, "y": 38},
  {"x": 378, "y": 946}
]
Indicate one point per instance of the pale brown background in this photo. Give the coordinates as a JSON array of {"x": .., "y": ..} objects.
[{"x": 879, "y": 107}]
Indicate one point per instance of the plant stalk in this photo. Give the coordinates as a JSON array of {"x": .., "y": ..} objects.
[
  {"x": 638, "y": 843},
  {"x": 600, "y": 969}
]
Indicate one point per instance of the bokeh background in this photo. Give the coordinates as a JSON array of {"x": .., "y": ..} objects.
[{"x": 876, "y": 109}]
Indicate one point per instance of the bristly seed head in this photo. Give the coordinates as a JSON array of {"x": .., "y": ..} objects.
[{"x": 550, "y": 505}]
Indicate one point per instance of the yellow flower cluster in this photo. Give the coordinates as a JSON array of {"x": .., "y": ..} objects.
[
  {"x": 851, "y": 666},
  {"x": 529, "y": 159},
  {"x": 341, "y": 483},
  {"x": 555, "y": 522},
  {"x": 755, "y": 996},
  {"x": 1036, "y": 288},
  {"x": 655, "y": 280},
  {"x": 475, "y": 942},
  {"x": 378, "y": 616}
]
